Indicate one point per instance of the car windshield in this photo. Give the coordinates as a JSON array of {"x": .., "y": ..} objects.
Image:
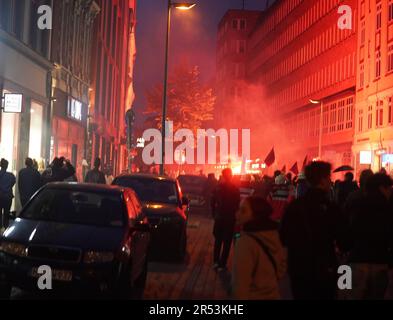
[
  {"x": 76, "y": 207},
  {"x": 151, "y": 190}
]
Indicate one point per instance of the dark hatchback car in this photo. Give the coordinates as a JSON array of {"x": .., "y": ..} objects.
[
  {"x": 94, "y": 238},
  {"x": 167, "y": 212}
]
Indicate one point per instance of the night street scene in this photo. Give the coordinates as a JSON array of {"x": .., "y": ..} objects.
[{"x": 196, "y": 150}]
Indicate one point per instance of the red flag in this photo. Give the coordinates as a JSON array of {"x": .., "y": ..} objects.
[
  {"x": 284, "y": 169},
  {"x": 305, "y": 163},
  {"x": 295, "y": 169},
  {"x": 271, "y": 158}
]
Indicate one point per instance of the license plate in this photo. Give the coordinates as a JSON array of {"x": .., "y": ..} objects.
[{"x": 57, "y": 275}]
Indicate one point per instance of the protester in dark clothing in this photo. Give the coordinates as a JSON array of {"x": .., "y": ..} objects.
[
  {"x": 356, "y": 196},
  {"x": 29, "y": 181},
  {"x": 371, "y": 239},
  {"x": 210, "y": 186},
  {"x": 225, "y": 203},
  {"x": 59, "y": 170},
  {"x": 95, "y": 175},
  {"x": 7, "y": 182},
  {"x": 302, "y": 186},
  {"x": 345, "y": 188},
  {"x": 310, "y": 228}
]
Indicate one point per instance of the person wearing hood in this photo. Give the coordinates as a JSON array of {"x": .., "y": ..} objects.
[{"x": 259, "y": 260}]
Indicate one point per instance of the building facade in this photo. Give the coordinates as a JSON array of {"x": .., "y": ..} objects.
[
  {"x": 297, "y": 52},
  {"x": 233, "y": 32},
  {"x": 373, "y": 142},
  {"x": 112, "y": 92},
  {"x": 72, "y": 39},
  {"x": 24, "y": 69}
]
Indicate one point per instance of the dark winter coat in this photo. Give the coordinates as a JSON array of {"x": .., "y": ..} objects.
[
  {"x": 310, "y": 228},
  {"x": 225, "y": 203},
  {"x": 29, "y": 181},
  {"x": 371, "y": 230}
]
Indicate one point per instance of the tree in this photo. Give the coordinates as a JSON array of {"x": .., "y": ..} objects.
[{"x": 190, "y": 102}]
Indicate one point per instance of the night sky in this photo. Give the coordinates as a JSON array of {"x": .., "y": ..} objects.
[{"x": 193, "y": 39}]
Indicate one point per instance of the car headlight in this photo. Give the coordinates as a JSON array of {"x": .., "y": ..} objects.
[
  {"x": 14, "y": 249},
  {"x": 98, "y": 257}
]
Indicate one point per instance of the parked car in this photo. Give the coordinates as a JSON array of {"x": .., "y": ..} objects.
[
  {"x": 166, "y": 209},
  {"x": 194, "y": 188},
  {"x": 93, "y": 237}
]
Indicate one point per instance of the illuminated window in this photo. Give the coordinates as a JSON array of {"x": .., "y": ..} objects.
[
  {"x": 379, "y": 114},
  {"x": 74, "y": 109}
]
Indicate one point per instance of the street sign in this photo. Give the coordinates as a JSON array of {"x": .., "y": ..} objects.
[{"x": 13, "y": 103}]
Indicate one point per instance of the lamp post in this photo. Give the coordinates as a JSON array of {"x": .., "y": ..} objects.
[
  {"x": 184, "y": 7},
  {"x": 320, "y": 127}
]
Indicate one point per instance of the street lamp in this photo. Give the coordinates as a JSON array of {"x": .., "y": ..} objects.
[
  {"x": 183, "y": 7},
  {"x": 320, "y": 127}
]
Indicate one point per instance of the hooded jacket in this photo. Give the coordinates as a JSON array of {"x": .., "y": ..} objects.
[{"x": 254, "y": 275}]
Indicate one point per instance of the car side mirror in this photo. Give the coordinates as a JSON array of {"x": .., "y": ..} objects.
[{"x": 185, "y": 201}]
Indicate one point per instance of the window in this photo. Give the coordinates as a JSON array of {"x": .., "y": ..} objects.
[
  {"x": 378, "y": 64},
  {"x": 235, "y": 24},
  {"x": 390, "y": 110},
  {"x": 379, "y": 114},
  {"x": 370, "y": 118},
  {"x": 360, "y": 121},
  {"x": 74, "y": 109},
  {"x": 363, "y": 33},
  {"x": 390, "y": 57},
  {"x": 349, "y": 113},
  {"x": 333, "y": 117},
  {"x": 325, "y": 119},
  {"x": 390, "y": 17},
  {"x": 361, "y": 76},
  {"x": 243, "y": 24},
  {"x": 341, "y": 115},
  {"x": 379, "y": 17},
  {"x": 240, "y": 46}
]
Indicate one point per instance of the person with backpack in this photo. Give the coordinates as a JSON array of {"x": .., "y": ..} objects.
[{"x": 259, "y": 260}]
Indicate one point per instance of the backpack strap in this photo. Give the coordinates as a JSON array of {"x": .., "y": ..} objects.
[{"x": 266, "y": 250}]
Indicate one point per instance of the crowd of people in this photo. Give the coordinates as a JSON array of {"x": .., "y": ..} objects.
[
  {"x": 29, "y": 180},
  {"x": 306, "y": 227}
]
